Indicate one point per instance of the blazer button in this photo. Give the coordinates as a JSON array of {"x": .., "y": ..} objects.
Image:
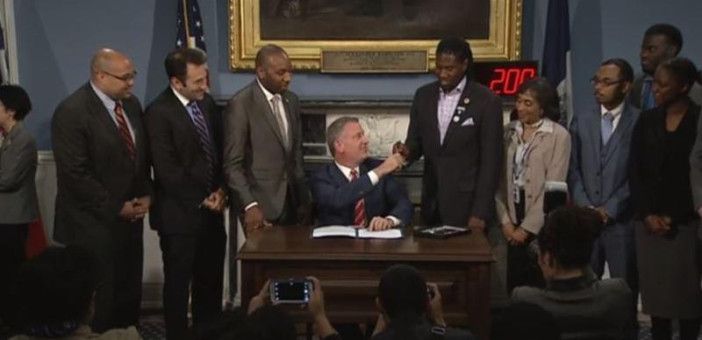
[
  {"x": 529, "y": 196},
  {"x": 528, "y": 181}
]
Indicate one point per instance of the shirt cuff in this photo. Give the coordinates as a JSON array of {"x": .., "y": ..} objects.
[
  {"x": 373, "y": 177},
  {"x": 251, "y": 205},
  {"x": 395, "y": 221}
]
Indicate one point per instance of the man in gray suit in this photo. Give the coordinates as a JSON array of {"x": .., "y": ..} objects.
[
  {"x": 598, "y": 177},
  {"x": 263, "y": 148},
  {"x": 660, "y": 43},
  {"x": 104, "y": 187}
]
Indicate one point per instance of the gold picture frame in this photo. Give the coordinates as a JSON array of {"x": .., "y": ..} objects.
[{"x": 501, "y": 41}]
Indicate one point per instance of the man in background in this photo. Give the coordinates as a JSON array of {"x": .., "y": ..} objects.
[
  {"x": 184, "y": 128},
  {"x": 103, "y": 179}
]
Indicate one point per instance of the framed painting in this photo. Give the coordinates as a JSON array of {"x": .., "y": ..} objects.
[{"x": 306, "y": 28}]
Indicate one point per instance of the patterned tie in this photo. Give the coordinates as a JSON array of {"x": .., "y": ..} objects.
[
  {"x": 359, "y": 211},
  {"x": 647, "y": 99},
  {"x": 275, "y": 101},
  {"x": 124, "y": 130},
  {"x": 203, "y": 133},
  {"x": 607, "y": 127}
]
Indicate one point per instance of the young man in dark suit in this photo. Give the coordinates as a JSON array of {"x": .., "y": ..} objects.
[
  {"x": 103, "y": 183},
  {"x": 599, "y": 169},
  {"x": 355, "y": 189},
  {"x": 456, "y": 124},
  {"x": 184, "y": 129}
]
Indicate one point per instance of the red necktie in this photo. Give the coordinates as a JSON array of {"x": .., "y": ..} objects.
[
  {"x": 124, "y": 130},
  {"x": 359, "y": 211}
]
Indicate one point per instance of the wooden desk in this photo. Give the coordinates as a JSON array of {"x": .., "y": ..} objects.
[{"x": 349, "y": 270}]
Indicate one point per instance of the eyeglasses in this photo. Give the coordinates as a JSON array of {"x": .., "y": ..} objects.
[
  {"x": 606, "y": 82},
  {"x": 127, "y": 77}
]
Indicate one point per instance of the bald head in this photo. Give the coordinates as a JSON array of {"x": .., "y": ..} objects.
[
  {"x": 113, "y": 73},
  {"x": 273, "y": 68}
]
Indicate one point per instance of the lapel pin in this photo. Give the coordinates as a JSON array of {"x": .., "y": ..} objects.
[{"x": 466, "y": 100}]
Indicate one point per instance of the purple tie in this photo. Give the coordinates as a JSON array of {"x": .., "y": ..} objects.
[{"x": 203, "y": 133}]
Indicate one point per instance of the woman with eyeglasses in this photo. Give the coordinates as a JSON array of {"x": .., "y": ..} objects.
[
  {"x": 667, "y": 243},
  {"x": 18, "y": 197},
  {"x": 537, "y": 150}
]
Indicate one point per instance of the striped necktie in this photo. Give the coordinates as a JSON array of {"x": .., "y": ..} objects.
[
  {"x": 205, "y": 140},
  {"x": 359, "y": 210},
  {"x": 607, "y": 127},
  {"x": 124, "y": 130}
]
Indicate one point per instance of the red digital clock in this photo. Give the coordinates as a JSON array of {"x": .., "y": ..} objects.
[{"x": 504, "y": 77}]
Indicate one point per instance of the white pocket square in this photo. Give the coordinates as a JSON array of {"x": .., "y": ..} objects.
[{"x": 468, "y": 122}]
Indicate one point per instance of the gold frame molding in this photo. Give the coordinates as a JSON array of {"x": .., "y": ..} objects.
[{"x": 504, "y": 42}]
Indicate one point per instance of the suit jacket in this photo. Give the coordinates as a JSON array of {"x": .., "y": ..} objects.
[
  {"x": 18, "y": 166},
  {"x": 180, "y": 165},
  {"x": 95, "y": 174},
  {"x": 547, "y": 160},
  {"x": 460, "y": 175},
  {"x": 257, "y": 165},
  {"x": 336, "y": 197},
  {"x": 599, "y": 175},
  {"x": 585, "y": 307},
  {"x": 636, "y": 100}
]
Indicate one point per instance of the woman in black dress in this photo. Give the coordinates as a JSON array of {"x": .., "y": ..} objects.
[{"x": 667, "y": 244}]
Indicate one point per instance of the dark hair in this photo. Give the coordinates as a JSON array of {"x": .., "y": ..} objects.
[
  {"x": 524, "y": 321},
  {"x": 683, "y": 70},
  {"x": 625, "y": 71},
  {"x": 15, "y": 99},
  {"x": 177, "y": 61},
  {"x": 266, "y": 51},
  {"x": 402, "y": 290},
  {"x": 456, "y": 46},
  {"x": 544, "y": 94},
  {"x": 671, "y": 33},
  {"x": 268, "y": 323},
  {"x": 568, "y": 235},
  {"x": 55, "y": 287}
]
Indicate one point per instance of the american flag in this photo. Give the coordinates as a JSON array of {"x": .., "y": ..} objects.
[{"x": 190, "y": 31}]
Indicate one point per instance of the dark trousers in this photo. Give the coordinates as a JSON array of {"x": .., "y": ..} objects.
[
  {"x": 522, "y": 267},
  {"x": 662, "y": 329},
  {"x": 119, "y": 252},
  {"x": 193, "y": 264},
  {"x": 13, "y": 238}
]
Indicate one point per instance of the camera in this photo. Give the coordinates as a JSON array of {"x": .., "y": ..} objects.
[{"x": 293, "y": 291}]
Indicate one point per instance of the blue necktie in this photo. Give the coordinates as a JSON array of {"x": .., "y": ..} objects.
[
  {"x": 607, "y": 127},
  {"x": 203, "y": 133},
  {"x": 647, "y": 99}
]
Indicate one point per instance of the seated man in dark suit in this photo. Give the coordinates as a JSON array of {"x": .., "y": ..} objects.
[{"x": 355, "y": 189}]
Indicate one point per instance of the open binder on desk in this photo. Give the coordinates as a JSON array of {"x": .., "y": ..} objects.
[{"x": 351, "y": 231}]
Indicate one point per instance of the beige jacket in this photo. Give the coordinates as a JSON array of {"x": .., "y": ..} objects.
[{"x": 547, "y": 160}]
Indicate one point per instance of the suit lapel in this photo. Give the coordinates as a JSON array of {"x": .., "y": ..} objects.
[
  {"x": 432, "y": 115},
  {"x": 261, "y": 102},
  {"x": 182, "y": 116},
  {"x": 463, "y": 104},
  {"x": 98, "y": 109},
  {"x": 291, "y": 121},
  {"x": 594, "y": 132}
]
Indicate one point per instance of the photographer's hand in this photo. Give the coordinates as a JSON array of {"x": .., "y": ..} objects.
[
  {"x": 436, "y": 312},
  {"x": 323, "y": 327},
  {"x": 261, "y": 299}
]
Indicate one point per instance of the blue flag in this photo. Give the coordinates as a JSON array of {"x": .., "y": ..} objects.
[
  {"x": 190, "y": 31},
  {"x": 555, "y": 65}
]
